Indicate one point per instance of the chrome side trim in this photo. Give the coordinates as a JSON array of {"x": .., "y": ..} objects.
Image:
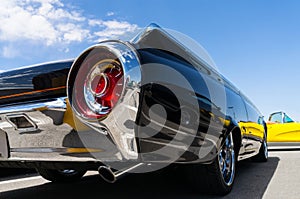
[
  {"x": 283, "y": 145},
  {"x": 33, "y": 105}
]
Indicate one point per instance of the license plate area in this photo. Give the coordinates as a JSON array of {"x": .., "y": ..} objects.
[
  {"x": 4, "y": 147},
  {"x": 21, "y": 122}
]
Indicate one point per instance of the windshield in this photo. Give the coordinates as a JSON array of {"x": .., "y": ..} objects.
[{"x": 280, "y": 117}]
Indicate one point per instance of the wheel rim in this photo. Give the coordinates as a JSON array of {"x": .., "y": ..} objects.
[{"x": 227, "y": 161}]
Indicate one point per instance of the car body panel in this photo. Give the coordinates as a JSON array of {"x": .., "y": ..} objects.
[
  {"x": 253, "y": 133},
  {"x": 40, "y": 124},
  {"x": 282, "y": 128},
  {"x": 283, "y": 132},
  {"x": 289, "y": 132}
]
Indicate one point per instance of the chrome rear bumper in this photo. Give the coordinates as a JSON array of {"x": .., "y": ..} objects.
[{"x": 45, "y": 131}]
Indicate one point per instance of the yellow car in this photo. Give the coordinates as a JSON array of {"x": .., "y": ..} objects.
[{"x": 283, "y": 132}]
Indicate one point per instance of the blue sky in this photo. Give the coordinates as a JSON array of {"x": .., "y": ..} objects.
[{"x": 254, "y": 43}]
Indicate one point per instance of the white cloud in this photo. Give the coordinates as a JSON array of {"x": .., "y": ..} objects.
[
  {"x": 37, "y": 20},
  {"x": 72, "y": 32},
  {"x": 95, "y": 22},
  {"x": 112, "y": 28},
  {"x": 110, "y": 14},
  {"x": 50, "y": 23},
  {"x": 9, "y": 52}
]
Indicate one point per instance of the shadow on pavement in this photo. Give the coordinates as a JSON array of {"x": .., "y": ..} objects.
[
  {"x": 7, "y": 172},
  {"x": 253, "y": 179},
  {"x": 251, "y": 182}
]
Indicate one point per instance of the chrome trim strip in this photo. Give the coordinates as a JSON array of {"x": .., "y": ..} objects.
[
  {"x": 33, "y": 105},
  {"x": 284, "y": 145}
]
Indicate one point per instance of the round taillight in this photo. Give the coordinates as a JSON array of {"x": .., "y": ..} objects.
[
  {"x": 103, "y": 86},
  {"x": 99, "y": 84}
]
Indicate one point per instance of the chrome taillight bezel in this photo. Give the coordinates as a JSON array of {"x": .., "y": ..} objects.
[
  {"x": 121, "y": 52},
  {"x": 115, "y": 122}
]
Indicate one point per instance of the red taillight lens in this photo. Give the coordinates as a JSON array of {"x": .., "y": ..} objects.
[{"x": 99, "y": 84}]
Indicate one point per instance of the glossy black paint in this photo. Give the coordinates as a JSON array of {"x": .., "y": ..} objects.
[
  {"x": 29, "y": 80},
  {"x": 164, "y": 95},
  {"x": 238, "y": 109}
]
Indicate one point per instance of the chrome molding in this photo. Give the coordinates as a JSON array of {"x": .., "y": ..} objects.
[{"x": 33, "y": 105}]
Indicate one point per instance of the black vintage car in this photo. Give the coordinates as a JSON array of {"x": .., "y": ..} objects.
[{"x": 124, "y": 107}]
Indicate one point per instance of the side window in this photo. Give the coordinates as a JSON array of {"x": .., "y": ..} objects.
[
  {"x": 235, "y": 106},
  {"x": 276, "y": 117},
  {"x": 287, "y": 119},
  {"x": 253, "y": 115}
]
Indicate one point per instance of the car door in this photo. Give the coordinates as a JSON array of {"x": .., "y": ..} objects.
[{"x": 281, "y": 128}]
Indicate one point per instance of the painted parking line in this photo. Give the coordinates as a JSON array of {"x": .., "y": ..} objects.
[
  {"x": 26, "y": 182},
  {"x": 19, "y": 180}
]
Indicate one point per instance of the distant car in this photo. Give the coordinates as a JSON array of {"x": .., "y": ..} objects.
[
  {"x": 123, "y": 107},
  {"x": 283, "y": 131}
]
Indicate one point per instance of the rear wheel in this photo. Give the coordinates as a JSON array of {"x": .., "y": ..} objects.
[
  {"x": 65, "y": 175},
  {"x": 217, "y": 177}
]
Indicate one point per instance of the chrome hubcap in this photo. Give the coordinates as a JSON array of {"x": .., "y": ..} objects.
[{"x": 227, "y": 161}]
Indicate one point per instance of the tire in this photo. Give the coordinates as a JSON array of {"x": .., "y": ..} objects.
[
  {"x": 262, "y": 155},
  {"x": 218, "y": 177},
  {"x": 66, "y": 175}
]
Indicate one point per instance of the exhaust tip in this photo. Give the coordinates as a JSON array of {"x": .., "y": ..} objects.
[{"x": 107, "y": 174}]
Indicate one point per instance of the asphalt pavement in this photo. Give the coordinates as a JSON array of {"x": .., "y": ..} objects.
[{"x": 278, "y": 178}]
